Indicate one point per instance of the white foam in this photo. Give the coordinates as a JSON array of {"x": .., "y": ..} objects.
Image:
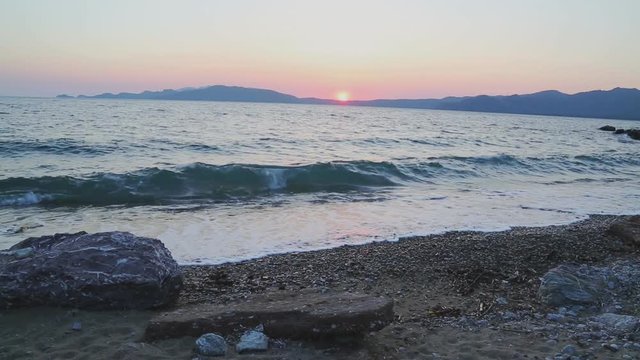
[
  {"x": 275, "y": 178},
  {"x": 29, "y": 198}
]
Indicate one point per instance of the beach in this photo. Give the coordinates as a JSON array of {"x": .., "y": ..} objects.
[
  {"x": 319, "y": 180},
  {"x": 457, "y": 295}
]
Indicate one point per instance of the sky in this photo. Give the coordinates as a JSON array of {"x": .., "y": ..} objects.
[{"x": 369, "y": 49}]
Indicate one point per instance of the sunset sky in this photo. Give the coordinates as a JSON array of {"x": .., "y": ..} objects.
[{"x": 371, "y": 49}]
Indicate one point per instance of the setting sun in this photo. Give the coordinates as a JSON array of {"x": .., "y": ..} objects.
[{"x": 343, "y": 96}]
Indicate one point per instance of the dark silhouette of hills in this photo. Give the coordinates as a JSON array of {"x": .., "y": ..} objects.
[
  {"x": 209, "y": 93},
  {"x": 618, "y": 103}
]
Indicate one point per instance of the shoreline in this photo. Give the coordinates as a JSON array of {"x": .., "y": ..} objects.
[
  {"x": 407, "y": 236},
  {"x": 460, "y": 294},
  {"x": 547, "y": 237}
]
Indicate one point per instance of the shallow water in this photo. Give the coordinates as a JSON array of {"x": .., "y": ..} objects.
[{"x": 228, "y": 181}]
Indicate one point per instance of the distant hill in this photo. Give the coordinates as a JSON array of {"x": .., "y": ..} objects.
[
  {"x": 209, "y": 93},
  {"x": 618, "y": 103}
]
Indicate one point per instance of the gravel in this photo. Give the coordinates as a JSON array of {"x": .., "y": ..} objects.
[{"x": 473, "y": 281}]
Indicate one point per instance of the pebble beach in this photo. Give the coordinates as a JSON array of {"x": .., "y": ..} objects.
[{"x": 458, "y": 295}]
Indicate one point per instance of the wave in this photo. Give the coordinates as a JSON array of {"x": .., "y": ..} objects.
[
  {"x": 202, "y": 183},
  {"x": 196, "y": 183}
]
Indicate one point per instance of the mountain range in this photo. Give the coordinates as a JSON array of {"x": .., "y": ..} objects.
[{"x": 618, "y": 103}]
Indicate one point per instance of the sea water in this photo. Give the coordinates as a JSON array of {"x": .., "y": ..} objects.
[{"x": 222, "y": 181}]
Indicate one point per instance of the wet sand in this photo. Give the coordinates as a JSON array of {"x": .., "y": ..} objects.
[{"x": 443, "y": 286}]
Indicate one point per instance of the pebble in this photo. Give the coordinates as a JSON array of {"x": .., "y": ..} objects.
[
  {"x": 612, "y": 347},
  {"x": 569, "y": 350},
  {"x": 508, "y": 315},
  {"x": 501, "y": 301},
  {"x": 252, "y": 341},
  {"x": 76, "y": 326},
  {"x": 555, "y": 317},
  {"x": 211, "y": 344}
]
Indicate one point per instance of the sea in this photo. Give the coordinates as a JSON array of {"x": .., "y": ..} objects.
[{"x": 224, "y": 181}]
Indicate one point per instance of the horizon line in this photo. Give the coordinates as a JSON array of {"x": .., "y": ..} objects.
[{"x": 187, "y": 88}]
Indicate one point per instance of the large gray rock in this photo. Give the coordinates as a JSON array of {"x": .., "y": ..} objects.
[
  {"x": 306, "y": 315},
  {"x": 599, "y": 287},
  {"x": 627, "y": 230},
  {"x": 112, "y": 270},
  {"x": 567, "y": 285}
]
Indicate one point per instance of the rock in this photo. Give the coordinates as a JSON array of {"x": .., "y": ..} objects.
[
  {"x": 627, "y": 230},
  {"x": 112, "y": 270},
  {"x": 607, "y": 128},
  {"x": 611, "y": 347},
  {"x": 555, "y": 317},
  {"x": 572, "y": 284},
  {"x": 620, "y": 131},
  {"x": 252, "y": 341},
  {"x": 300, "y": 315},
  {"x": 618, "y": 324},
  {"x": 211, "y": 345},
  {"x": 569, "y": 350},
  {"x": 634, "y": 134},
  {"x": 19, "y": 253},
  {"x": 76, "y": 326},
  {"x": 508, "y": 315},
  {"x": 501, "y": 301}
]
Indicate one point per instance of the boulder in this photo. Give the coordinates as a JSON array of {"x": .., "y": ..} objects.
[
  {"x": 620, "y": 131},
  {"x": 607, "y": 128},
  {"x": 567, "y": 285},
  {"x": 634, "y": 133},
  {"x": 608, "y": 288},
  {"x": 302, "y": 315},
  {"x": 627, "y": 230},
  {"x": 211, "y": 345},
  {"x": 111, "y": 270},
  {"x": 618, "y": 324}
]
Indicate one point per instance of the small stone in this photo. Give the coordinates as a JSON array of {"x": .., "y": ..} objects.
[
  {"x": 501, "y": 301},
  {"x": 555, "y": 317},
  {"x": 252, "y": 341},
  {"x": 562, "y": 310},
  {"x": 76, "y": 326},
  {"x": 211, "y": 345},
  {"x": 569, "y": 350},
  {"x": 611, "y": 347},
  {"x": 23, "y": 253},
  {"x": 508, "y": 315}
]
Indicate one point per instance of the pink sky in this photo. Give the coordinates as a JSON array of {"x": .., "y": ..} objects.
[{"x": 405, "y": 49}]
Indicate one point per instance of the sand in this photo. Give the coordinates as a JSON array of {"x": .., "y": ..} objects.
[{"x": 445, "y": 289}]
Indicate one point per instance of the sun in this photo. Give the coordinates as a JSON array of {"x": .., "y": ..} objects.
[{"x": 343, "y": 96}]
